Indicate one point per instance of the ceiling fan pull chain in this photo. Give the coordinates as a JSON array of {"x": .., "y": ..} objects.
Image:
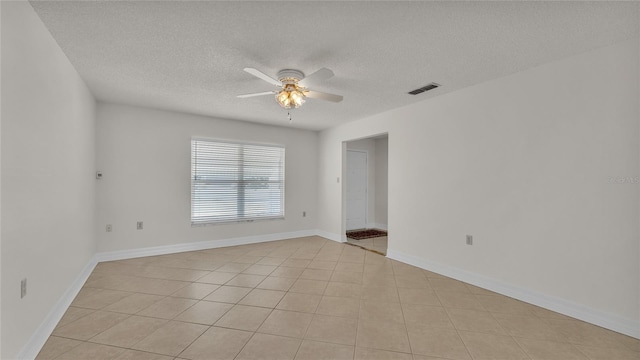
[{"x": 289, "y": 115}]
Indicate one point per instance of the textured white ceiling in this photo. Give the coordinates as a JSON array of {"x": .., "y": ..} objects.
[{"x": 189, "y": 56}]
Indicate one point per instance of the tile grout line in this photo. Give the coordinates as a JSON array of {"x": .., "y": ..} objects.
[
  {"x": 404, "y": 323},
  {"x": 509, "y": 334},
  {"x": 209, "y": 326},
  {"x": 304, "y": 336},
  {"x": 265, "y": 319},
  {"x": 455, "y": 328}
]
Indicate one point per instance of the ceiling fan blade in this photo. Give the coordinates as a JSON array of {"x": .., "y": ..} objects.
[
  {"x": 259, "y": 74},
  {"x": 318, "y": 76},
  {"x": 256, "y": 94},
  {"x": 323, "y": 96}
]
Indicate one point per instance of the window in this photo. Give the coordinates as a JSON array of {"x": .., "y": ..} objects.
[{"x": 236, "y": 182}]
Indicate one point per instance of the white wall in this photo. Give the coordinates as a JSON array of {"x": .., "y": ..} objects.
[
  {"x": 524, "y": 163},
  {"x": 381, "y": 172},
  {"x": 145, "y": 157},
  {"x": 48, "y": 181}
]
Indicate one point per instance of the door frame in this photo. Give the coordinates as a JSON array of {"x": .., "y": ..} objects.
[{"x": 343, "y": 188}]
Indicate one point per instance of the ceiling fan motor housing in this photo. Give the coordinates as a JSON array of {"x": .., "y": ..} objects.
[{"x": 290, "y": 75}]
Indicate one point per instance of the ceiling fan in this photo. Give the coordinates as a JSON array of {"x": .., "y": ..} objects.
[{"x": 293, "y": 86}]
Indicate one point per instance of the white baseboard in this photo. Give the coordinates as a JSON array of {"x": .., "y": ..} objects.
[
  {"x": 200, "y": 245},
  {"x": 606, "y": 320},
  {"x": 331, "y": 236},
  {"x": 31, "y": 349}
]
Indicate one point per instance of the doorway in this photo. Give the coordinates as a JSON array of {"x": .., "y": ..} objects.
[{"x": 365, "y": 192}]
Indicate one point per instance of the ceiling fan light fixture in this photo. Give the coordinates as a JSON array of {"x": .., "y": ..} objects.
[{"x": 290, "y": 96}]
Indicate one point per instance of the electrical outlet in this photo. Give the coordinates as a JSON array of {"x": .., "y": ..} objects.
[
  {"x": 139, "y": 226},
  {"x": 304, "y": 214},
  {"x": 469, "y": 240},
  {"x": 109, "y": 228},
  {"x": 23, "y": 288}
]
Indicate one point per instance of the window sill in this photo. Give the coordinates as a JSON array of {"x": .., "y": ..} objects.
[{"x": 214, "y": 223}]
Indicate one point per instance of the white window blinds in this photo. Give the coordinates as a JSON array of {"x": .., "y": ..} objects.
[{"x": 236, "y": 182}]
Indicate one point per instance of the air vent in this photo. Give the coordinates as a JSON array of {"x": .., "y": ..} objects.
[{"x": 424, "y": 88}]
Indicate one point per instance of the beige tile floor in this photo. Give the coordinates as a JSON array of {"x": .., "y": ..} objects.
[
  {"x": 308, "y": 298},
  {"x": 378, "y": 244}
]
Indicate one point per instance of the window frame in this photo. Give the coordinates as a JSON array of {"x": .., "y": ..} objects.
[{"x": 236, "y": 219}]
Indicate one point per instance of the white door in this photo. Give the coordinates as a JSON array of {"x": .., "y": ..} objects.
[{"x": 356, "y": 190}]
